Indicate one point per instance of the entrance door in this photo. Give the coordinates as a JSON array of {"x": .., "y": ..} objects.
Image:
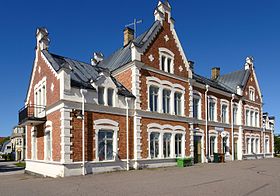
[
  {"x": 235, "y": 148},
  {"x": 197, "y": 149}
]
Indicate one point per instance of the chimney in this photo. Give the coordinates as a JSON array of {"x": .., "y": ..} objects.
[
  {"x": 128, "y": 35},
  {"x": 215, "y": 73},
  {"x": 191, "y": 63},
  {"x": 42, "y": 37}
]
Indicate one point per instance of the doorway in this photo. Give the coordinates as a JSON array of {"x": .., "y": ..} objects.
[{"x": 197, "y": 149}]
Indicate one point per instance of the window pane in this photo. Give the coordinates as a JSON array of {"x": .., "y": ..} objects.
[
  {"x": 153, "y": 99},
  {"x": 154, "y": 145},
  {"x": 166, "y": 101},
  {"x": 166, "y": 144},
  {"x": 169, "y": 65},
  {"x": 178, "y": 145},
  {"x": 101, "y": 95},
  {"x": 110, "y": 96},
  {"x": 178, "y": 104},
  {"x": 105, "y": 145},
  {"x": 163, "y": 63},
  {"x": 195, "y": 107}
]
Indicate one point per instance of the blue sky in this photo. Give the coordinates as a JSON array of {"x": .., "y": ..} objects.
[{"x": 213, "y": 33}]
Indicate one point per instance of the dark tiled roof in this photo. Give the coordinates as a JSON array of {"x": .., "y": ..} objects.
[
  {"x": 234, "y": 79},
  {"x": 212, "y": 83},
  {"x": 82, "y": 74},
  {"x": 123, "y": 55}
]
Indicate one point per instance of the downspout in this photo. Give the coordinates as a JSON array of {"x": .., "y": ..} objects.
[
  {"x": 83, "y": 132},
  {"x": 206, "y": 121},
  {"x": 127, "y": 135},
  {"x": 232, "y": 130}
]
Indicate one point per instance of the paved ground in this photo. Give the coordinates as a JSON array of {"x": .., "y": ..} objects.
[
  {"x": 261, "y": 177},
  {"x": 9, "y": 168}
]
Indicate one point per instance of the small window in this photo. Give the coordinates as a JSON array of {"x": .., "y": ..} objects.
[
  {"x": 196, "y": 106},
  {"x": 169, "y": 65},
  {"x": 247, "y": 117},
  {"x": 224, "y": 113},
  {"x": 212, "y": 106},
  {"x": 163, "y": 62},
  {"x": 252, "y": 94},
  {"x": 178, "y": 104},
  {"x": 252, "y": 118},
  {"x": 212, "y": 145},
  {"x": 105, "y": 145},
  {"x": 178, "y": 145},
  {"x": 101, "y": 95},
  {"x": 110, "y": 97},
  {"x": 257, "y": 119},
  {"x": 166, "y": 101},
  {"x": 166, "y": 145},
  {"x": 153, "y": 99},
  {"x": 154, "y": 145},
  {"x": 252, "y": 146}
]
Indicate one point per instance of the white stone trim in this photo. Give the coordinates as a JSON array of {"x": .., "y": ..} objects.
[
  {"x": 48, "y": 129},
  {"x": 107, "y": 124},
  {"x": 163, "y": 129},
  {"x": 65, "y": 135}
]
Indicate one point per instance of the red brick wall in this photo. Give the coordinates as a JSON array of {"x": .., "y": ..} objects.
[
  {"x": 160, "y": 42},
  {"x": 125, "y": 78},
  {"x": 52, "y": 97},
  {"x": 40, "y": 142},
  {"x": 90, "y": 117},
  {"x": 144, "y": 134},
  {"x": 56, "y": 132}
]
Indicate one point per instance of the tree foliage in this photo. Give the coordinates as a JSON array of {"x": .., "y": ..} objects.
[{"x": 277, "y": 144}]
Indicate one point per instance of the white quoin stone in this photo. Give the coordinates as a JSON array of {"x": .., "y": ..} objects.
[{"x": 161, "y": 9}]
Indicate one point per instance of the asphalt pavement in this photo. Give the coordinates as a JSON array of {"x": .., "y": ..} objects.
[{"x": 258, "y": 177}]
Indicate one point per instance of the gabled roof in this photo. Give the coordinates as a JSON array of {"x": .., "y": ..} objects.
[
  {"x": 82, "y": 74},
  {"x": 235, "y": 79},
  {"x": 212, "y": 83},
  {"x": 123, "y": 55}
]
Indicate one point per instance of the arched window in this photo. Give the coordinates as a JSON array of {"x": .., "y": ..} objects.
[{"x": 166, "y": 60}]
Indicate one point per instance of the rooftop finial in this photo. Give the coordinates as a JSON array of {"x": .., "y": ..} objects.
[{"x": 249, "y": 62}]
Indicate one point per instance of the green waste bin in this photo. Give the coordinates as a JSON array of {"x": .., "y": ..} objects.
[
  {"x": 216, "y": 158},
  {"x": 184, "y": 162}
]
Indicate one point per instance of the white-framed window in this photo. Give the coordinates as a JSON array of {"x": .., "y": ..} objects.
[
  {"x": 252, "y": 145},
  {"x": 101, "y": 95},
  {"x": 105, "y": 145},
  {"x": 267, "y": 147},
  {"x": 196, "y": 106},
  {"x": 225, "y": 143},
  {"x": 167, "y": 145},
  {"x": 212, "y": 109},
  {"x": 165, "y": 141},
  {"x": 110, "y": 97},
  {"x": 235, "y": 110},
  {"x": 213, "y": 145},
  {"x": 178, "y": 145},
  {"x": 178, "y": 103},
  {"x": 247, "y": 118},
  {"x": 106, "y": 139},
  {"x": 257, "y": 121},
  {"x": 252, "y": 118},
  {"x": 165, "y": 97},
  {"x": 224, "y": 116},
  {"x": 166, "y": 60},
  {"x": 257, "y": 145},
  {"x": 252, "y": 93},
  {"x": 40, "y": 97},
  {"x": 248, "y": 145},
  {"x": 154, "y": 145},
  {"x": 166, "y": 101},
  {"x": 153, "y": 98}
]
